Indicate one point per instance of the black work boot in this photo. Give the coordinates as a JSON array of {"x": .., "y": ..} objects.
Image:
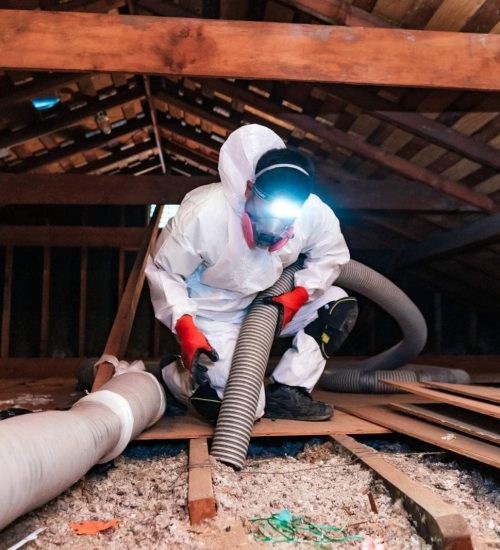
[
  {"x": 294, "y": 403},
  {"x": 206, "y": 402}
]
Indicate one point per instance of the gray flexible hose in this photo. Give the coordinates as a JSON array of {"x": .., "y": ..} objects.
[
  {"x": 364, "y": 280},
  {"x": 358, "y": 381},
  {"x": 241, "y": 395}
]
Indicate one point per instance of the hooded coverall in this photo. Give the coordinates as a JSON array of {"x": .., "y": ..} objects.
[{"x": 203, "y": 267}]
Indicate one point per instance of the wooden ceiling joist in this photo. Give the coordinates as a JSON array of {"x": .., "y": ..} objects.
[
  {"x": 358, "y": 146},
  {"x": 473, "y": 234},
  {"x": 94, "y": 42},
  {"x": 80, "y": 189}
]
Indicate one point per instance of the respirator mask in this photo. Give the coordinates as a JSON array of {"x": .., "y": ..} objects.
[{"x": 268, "y": 218}]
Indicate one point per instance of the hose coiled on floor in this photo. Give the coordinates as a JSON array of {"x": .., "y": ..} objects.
[{"x": 364, "y": 280}]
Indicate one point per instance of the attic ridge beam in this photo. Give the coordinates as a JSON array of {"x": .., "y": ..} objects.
[
  {"x": 323, "y": 53},
  {"x": 335, "y": 136},
  {"x": 161, "y": 189},
  {"x": 439, "y": 244}
]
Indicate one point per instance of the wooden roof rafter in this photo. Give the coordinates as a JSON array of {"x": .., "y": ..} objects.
[
  {"x": 80, "y": 144},
  {"x": 114, "y": 156},
  {"x": 72, "y": 117},
  {"x": 332, "y": 135}
]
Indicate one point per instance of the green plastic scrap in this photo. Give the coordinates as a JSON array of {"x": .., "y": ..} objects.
[{"x": 283, "y": 527}]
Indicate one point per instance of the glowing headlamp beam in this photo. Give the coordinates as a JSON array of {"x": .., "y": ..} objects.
[{"x": 284, "y": 208}]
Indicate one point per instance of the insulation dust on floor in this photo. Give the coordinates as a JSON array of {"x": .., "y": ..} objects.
[{"x": 148, "y": 496}]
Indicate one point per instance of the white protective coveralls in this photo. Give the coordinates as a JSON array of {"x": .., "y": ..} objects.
[{"x": 203, "y": 267}]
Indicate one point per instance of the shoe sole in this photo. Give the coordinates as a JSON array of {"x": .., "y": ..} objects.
[{"x": 321, "y": 418}]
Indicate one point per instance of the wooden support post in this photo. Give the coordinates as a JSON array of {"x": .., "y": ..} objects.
[
  {"x": 82, "y": 314},
  {"x": 121, "y": 258},
  {"x": 7, "y": 301},
  {"x": 438, "y": 522},
  {"x": 122, "y": 325},
  {"x": 201, "y": 501},
  {"x": 44, "y": 315}
]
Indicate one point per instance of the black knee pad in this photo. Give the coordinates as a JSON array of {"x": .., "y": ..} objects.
[
  {"x": 333, "y": 325},
  {"x": 206, "y": 402}
]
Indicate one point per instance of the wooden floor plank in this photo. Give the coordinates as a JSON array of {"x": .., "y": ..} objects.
[
  {"x": 446, "y": 439},
  {"x": 438, "y": 522},
  {"x": 451, "y": 417},
  {"x": 201, "y": 500},
  {"x": 56, "y": 393},
  {"x": 442, "y": 397},
  {"x": 187, "y": 427},
  {"x": 487, "y": 393}
]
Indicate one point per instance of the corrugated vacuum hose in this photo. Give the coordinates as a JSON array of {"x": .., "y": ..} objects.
[{"x": 241, "y": 395}]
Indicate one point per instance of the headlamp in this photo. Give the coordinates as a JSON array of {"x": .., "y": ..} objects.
[{"x": 284, "y": 209}]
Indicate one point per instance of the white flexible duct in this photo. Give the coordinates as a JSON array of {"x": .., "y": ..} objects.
[{"x": 43, "y": 454}]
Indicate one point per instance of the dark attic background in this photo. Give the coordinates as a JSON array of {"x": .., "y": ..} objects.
[{"x": 378, "y": 151}]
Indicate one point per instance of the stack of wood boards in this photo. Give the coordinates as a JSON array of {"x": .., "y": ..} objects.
[{"x": 457, "y": 417}]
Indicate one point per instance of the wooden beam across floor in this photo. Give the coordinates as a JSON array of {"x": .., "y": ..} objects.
[
  {"x": 81, "y": 189},
  {"x": 201, "y": 500},
  {"x": 437, "y": 521},
  {"x": 94, "y": 42}
]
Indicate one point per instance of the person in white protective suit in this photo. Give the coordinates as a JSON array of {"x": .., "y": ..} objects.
[{"x": 229, "y": 241}]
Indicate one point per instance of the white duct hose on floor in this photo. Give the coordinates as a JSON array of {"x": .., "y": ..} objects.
[{"x": 43, "y": 454}]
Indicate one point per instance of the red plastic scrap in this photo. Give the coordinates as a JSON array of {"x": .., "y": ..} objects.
[{"x": 93, "y": 527}]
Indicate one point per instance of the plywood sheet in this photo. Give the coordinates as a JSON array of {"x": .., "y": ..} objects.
[
  {"x": 441, "y": 397},
  {"x": 487, "y": 393},
  {"x": 462, "y": 421},
  {"x": 446, "y": 439}
]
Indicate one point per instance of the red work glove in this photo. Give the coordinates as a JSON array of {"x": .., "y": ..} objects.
[
  {"x": 288, "y": 304},
  {"x": 193, "y": 342}
]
